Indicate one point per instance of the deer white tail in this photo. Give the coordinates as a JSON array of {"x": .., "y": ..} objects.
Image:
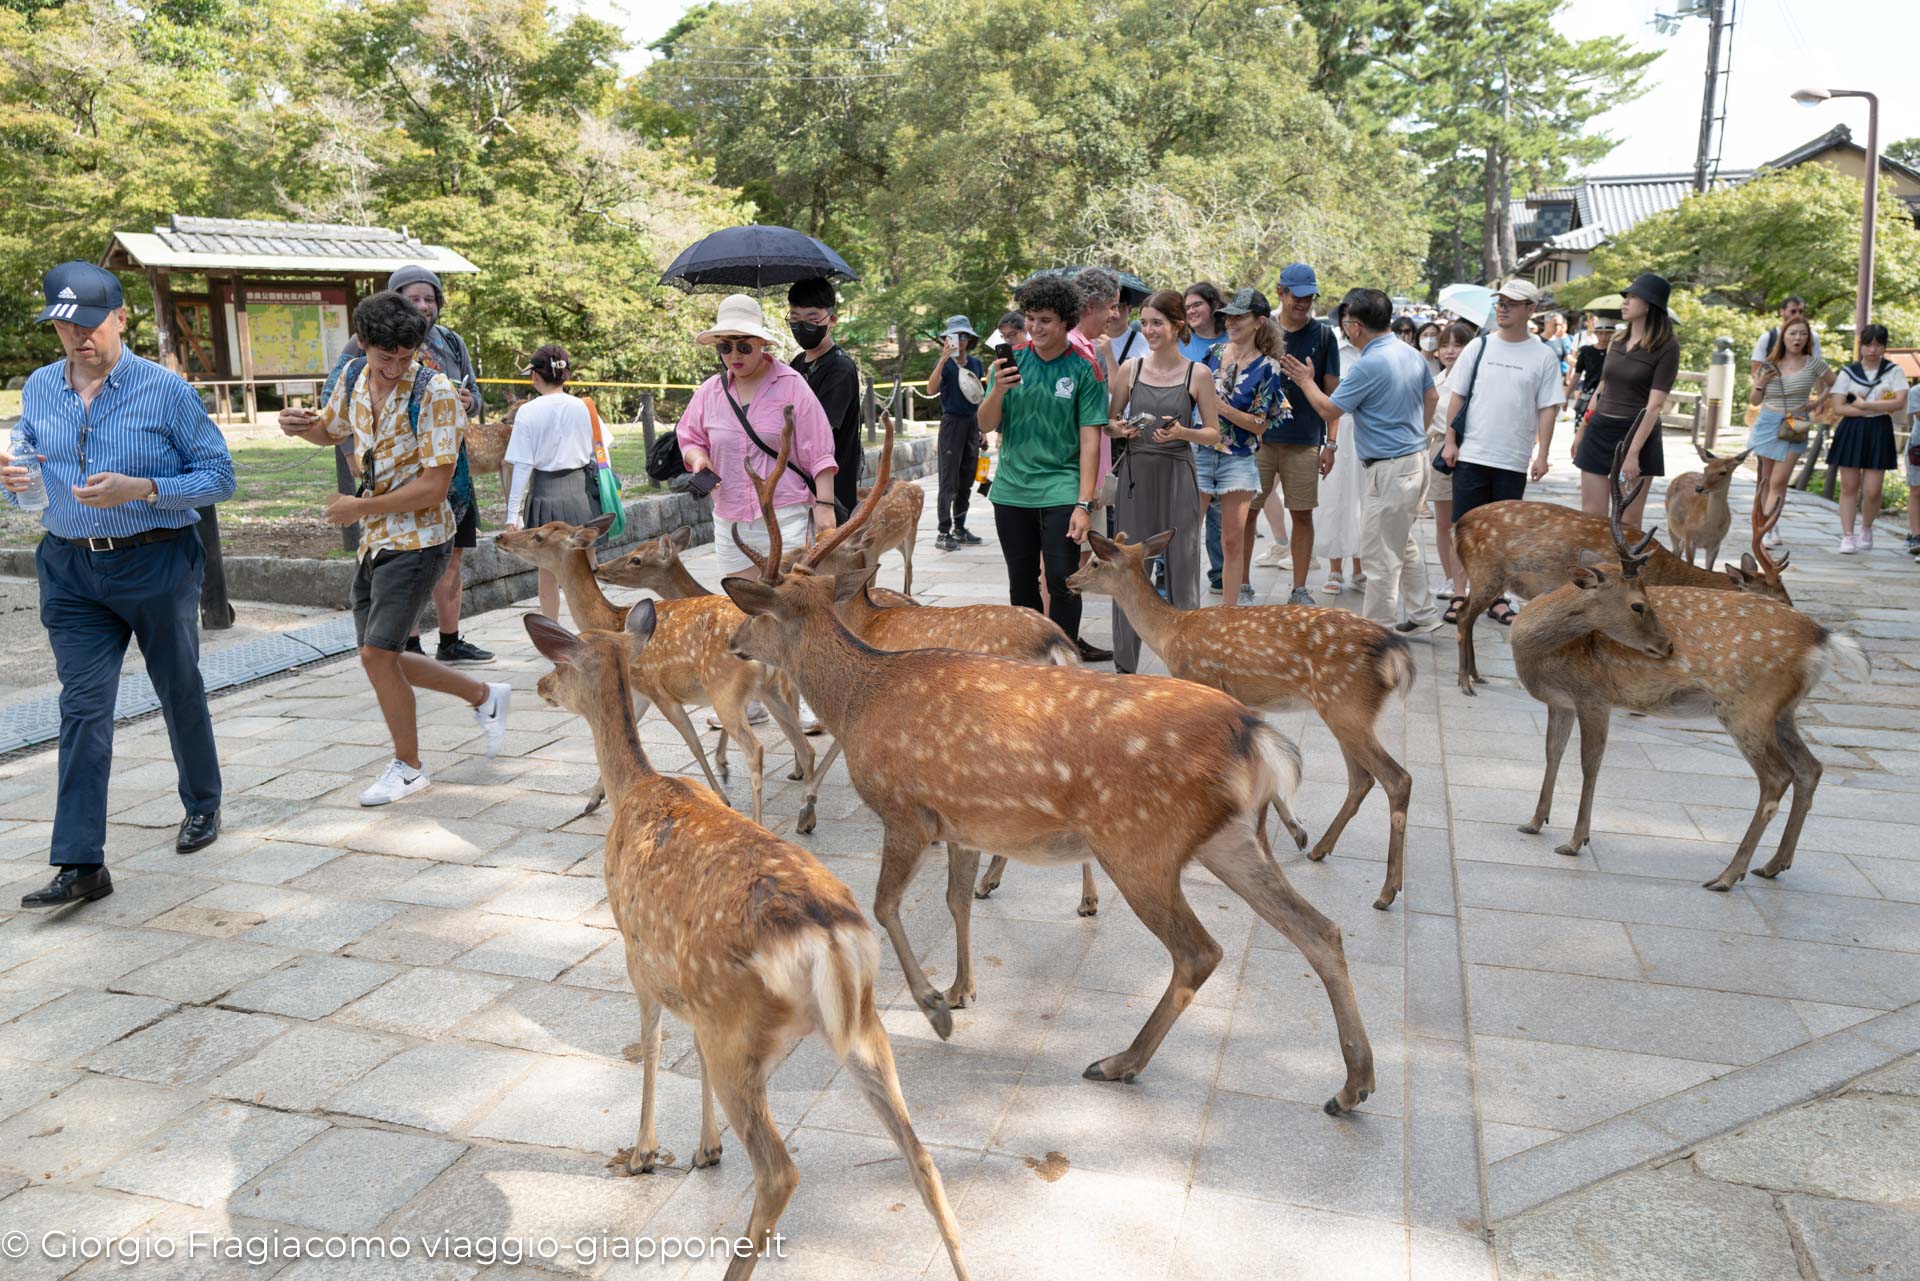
[
  {"x": 1394, "y": 663},
  {"x": 842, "y": 980},
  {"x": 1837, "y": 650},
  {"x": 1061, "y": 653},
  {"x": 1276, "y": 772}
]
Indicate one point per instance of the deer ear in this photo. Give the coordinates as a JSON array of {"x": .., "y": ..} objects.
[
  {"x": 640, "y": 622},
  {"x": 1737, "y": 574},
  {"x": 851, "y": 583},
  {"x": 752, "y": 595},
  {"x": 1706, "y": 455},
  {"x": 1587, "y": 577},
  {"x": 1157, "y": 544},
  {"x": 1749, "y": 565},
  {"x": 582, "y": 537},
  {"x": 1587, "y": 556},
  {"x": 601, "y": 523},
  {"x": 1103, "y": 547},
  {"x": 553, "y": 641},
  {"x": 682, "y": 538},
  {"x": 1741, "y": 457}
]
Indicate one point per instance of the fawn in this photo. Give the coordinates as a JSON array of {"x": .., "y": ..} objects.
[
  {"x": 742, "y": 935},
  {"x": 1272, "y": 656},
  {"x": 1697, "y": 514}
]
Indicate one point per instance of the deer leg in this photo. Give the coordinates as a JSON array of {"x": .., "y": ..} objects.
[
  {"x": 1559, "y": 730},
  {"x": 677, "y": 717},
  {"x": 1161, "y": 906},
  {"x": 869, "y": 1062},
  {"x": 730, "y": 703},
  {"x": 710, "y": 1149},
  {"x": 991, "y": 881},
  {"x": 789, "y": 722},
  {"x": 1593, "y": 747},
  {"x": 1771, "y": 768},
  {"x": 1232, "y": 857},
  {"x": 1480, "y": 598},
  {"x": 1359, "y": 783},
  {"x": 1089, "y": 892},
  {"x": 646, "y": 1152},
  {"x": 808, "y": 818},
  {"x": 962, "y": 865},
  {"x": 743, "y": 1093},
  {"x": 1806, "y": 776},
  {"x": 899, "y": 859},
  {"x": 1398, "y": 785}
]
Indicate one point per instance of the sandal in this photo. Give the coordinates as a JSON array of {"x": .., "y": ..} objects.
[
  {"x": 1495, "y": 612},
  {"x": 1334, "y": 585},
  {"x": 1454, "y": 608}
]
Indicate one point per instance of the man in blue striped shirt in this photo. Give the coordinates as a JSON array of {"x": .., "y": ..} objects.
[{"x": 128, "y": 453}]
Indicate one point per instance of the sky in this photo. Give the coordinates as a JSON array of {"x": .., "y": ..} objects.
[{"x": 1778, "y": 46}]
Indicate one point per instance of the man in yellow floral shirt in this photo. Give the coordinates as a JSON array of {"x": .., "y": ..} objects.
[{"x": 405, "y": 420}]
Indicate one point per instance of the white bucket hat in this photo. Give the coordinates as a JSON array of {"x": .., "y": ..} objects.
[{"x": 739, "y": 317}]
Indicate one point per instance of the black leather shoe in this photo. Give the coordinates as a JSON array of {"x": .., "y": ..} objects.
[
  {"x": 1093, "y": 653},
  {"x": 197, "y": 831},
  {"x": 72, "y": 884}
]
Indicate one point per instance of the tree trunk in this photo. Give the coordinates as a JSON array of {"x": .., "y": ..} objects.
[
  {"x": 1492, "y": 216},
  {"x": 1509, "y": 251}
]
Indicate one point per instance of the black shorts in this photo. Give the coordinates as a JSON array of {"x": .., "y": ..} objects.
[
  {"x": 467, "y": 532},
  {"x": 390, "y": 588},
  {"x": 1603, "y": 432}
]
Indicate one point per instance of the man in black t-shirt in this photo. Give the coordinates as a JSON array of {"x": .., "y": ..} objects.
[
  {"x": 834, "y": 378},
  {"x": 959, "y": 429},
  {"x": 1585, "y": 374},
  {"x": 1294, "y": 455}
]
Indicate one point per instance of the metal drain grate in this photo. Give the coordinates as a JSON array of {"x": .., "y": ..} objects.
[{"x": 37, "y": 720}]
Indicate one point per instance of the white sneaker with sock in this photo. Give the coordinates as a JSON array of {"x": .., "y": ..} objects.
[
  {"x": 491, "y": 715},
  {"x": 1864, "y": 539},
  {"x": 809, "y": 723},
  {"x": 1272, "y": 558},
  {"x": 400, "y": 780},
  {"x": 1846, "y": 547}
]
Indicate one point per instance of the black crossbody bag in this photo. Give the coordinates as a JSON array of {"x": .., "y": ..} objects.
[{"x": 839, "y": 512}]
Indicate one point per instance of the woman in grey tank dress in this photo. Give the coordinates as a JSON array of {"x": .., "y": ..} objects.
[{"x": 1154, "y": 485}]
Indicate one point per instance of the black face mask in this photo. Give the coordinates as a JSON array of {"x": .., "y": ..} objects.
[{"x": 808, "y": 336}]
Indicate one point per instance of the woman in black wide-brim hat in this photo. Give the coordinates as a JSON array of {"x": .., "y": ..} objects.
[{"x": 1641, "y": 367}]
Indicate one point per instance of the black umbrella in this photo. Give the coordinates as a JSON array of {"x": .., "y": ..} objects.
[
  {"x": 1133, "y": 290},
  {"x": 755, "y": 258}
]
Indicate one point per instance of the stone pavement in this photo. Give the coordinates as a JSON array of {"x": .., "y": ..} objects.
[{"x": 413, "y": 1021}]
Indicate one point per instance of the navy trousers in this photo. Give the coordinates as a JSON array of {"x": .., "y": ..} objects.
[{"x": 91, "y": 604}]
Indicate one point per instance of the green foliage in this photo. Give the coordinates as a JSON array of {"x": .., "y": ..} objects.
[{"x": 1906, "y": 151}]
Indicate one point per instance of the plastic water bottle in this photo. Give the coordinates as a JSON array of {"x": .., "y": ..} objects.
[{"x": 34, "y": 497}]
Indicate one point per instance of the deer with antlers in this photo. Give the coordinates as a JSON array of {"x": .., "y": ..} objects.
[
  {"x": 742, "y": 935},
  {"x": 980, "y": 751},
  {"x": 1529, "y": 547},
  {"x": 689, "y": 661},
  {"x": 1611, "y": 639},
  {"x": 657, "y": 566},
  {"x": 1274, "y": 656},
  {"x": 1697, "y": 514}
]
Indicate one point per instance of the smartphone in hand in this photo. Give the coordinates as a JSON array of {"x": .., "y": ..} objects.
[{"x": 702, "y": 483}]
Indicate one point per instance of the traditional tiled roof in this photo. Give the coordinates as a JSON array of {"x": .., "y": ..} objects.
[{"x": 250, "y": 244}]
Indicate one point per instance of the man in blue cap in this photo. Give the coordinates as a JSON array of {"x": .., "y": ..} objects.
[
  {"x": 127, "y": 454},
  {"x": 1294, "y": 455}
]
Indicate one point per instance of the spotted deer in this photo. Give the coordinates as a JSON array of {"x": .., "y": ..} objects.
[
  {"x": 487, "y": 444},
  {"x": 1611, "y": 639},
  {"x": 743, "y": 936},
  {"x": 657, "y": 566},
  {"x": 1528, "y": 547},
  {"x": 1697, "y": 514},
  {"x": 894, "y": 526},
  {"x": 1275, "y": 656},
  {"x": 1051, "y": 765},
  {"x": 689, "y": 661}
]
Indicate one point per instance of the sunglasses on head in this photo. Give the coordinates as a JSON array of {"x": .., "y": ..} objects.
[{"x": 727, "y": 348}]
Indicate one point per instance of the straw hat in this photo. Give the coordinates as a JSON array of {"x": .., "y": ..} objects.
[{"x": 739, "y": 317}]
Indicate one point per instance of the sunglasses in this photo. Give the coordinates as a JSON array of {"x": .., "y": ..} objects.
[
  {"x": 743, "y": 345},
  {"x": 365, "y": 486}
]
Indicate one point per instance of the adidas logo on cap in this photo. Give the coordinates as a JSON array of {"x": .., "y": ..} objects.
[{"x": 68, "y": 293}]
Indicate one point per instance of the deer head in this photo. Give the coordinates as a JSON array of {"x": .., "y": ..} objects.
[
  {"x": 649, "y": 563},
  {"x": 548, "y": 546},
  {"x": 1612, "y": 601},
  {"x": 1114, "y": 561},
  {"x": 1758, "y": 572},
  {"x": 1718, "y": 473},
  {"x": 1632, "y": 557},
  {"x": 585, "y": 666}
]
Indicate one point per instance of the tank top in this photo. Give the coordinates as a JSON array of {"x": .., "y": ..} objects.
[{"x": 1162, "y": 402}]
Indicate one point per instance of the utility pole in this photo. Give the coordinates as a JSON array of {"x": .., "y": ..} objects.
[{"x": 1717, "y": 23}]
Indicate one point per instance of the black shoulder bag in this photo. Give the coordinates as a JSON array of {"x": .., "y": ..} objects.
[
  {"x": 754, "y": 436},
  {"x": 1459, "y": 424}
]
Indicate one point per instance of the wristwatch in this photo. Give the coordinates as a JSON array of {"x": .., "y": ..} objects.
[{"x": 1085, "y": 506}]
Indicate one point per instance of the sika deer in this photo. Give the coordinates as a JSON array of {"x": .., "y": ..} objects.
[
  {"x": 656, "y": 566},
  {"x": 688, "y": 661},
  {"x": 1274, "y": 656},
  {"x": 487, "y": 444},
  {"x": 1697, "y": 515},
  {"x": 1610, "y": 640},
  {"x": 894, "y": 526},
  {"x": 983, "y": 751},
  {"x": 1530, "y": 548},
  {"x": 744, "y": 936}
]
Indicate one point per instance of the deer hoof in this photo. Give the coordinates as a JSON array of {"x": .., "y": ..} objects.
[
  {"x": 796, "y": 775},
  {"x": 627, "y": 1161},
  {"x": 1385, "y": 901},
  {"x": 593, "y": 803},
  {"x": 986, "y": 888},
  {"x": 1333, "y": 1106},
  {"x": 958, "y": 999},
  {"x": 1770, "y": 871},
  {"x": 1110, "y": 1070},
  {"x": 940, "y": 1014},
  {"x": 805, "y": 825},
  {"x": 1723, "y": 883},
  {"x": 1533, "y": 828},
  {"x": 1466, "y": 687},
  {"x": 706, "y": 1157},
  {"x": 1088, "y": 907},
  {"x": 1570, "y": 849}
]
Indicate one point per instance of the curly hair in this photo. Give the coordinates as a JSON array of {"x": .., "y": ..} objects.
[
  {"x": 1050, "y": 293},
  {"x": 388, "y": 321},
  {"x": 1097, "y": 284}
]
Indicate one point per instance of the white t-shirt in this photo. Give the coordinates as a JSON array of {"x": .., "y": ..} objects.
[
  {"x": 1511, "y": 382},
  {"x": 550, "y": 433}
]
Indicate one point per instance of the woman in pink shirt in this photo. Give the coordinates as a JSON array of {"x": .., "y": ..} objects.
[{"x": 759, "y": 387}]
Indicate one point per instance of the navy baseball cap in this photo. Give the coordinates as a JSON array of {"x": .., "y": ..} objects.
[
  {"x": 81, "y": 293},
  {"x": 1297, "y": 278}
]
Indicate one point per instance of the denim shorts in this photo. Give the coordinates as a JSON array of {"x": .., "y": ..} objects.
[
  {"x": 390, "y": 588},
  {"x": 1217, "y": 473}
]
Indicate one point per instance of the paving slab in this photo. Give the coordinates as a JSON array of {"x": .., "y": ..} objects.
[
  {"x": 1864, "y": 1148},
  {"x": 191, "y": 1045},
  {"x": 210, "y": 1152},
  {"x": 311, "y": 987},
  {"x": 325, "y": 1185}
]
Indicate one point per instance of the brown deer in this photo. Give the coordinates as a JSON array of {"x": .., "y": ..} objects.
[
  {"x": 688, "y": 662},
  {"x": 1275, "y": 656},
  {"x": 980, "y": 751},
  {"x": 1610, "y": 639},
  {"x": 657, "y": 566},
  {"x": 894, "y": 526},
  {"x": 1697, "y": 513},
  {"x": 1529, "y": 547},
  {"x": 742, "y": 935},
  {"x": 487, "y": 444}
]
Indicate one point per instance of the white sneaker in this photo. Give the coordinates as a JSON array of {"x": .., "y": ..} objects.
[
  {"x": 1247, "y": 596},
  {"x": 491, "y": 715},
  {"x": 1864, "y": 540},
  {"x": 398, "y": 782},
  {"x": 1847, "y": 547},
  {"x": 1272, "y": 558},
  {"x": 809, "y": 723},
  {"x": 1773, "y": 539}
]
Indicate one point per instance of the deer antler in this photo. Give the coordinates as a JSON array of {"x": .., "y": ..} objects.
[
  {"x": 1632, "y": 557},
  {"x": 1764, "y": 521},
  {"x": 825, "y": 547},
  {"x": 763, "y": 487}
]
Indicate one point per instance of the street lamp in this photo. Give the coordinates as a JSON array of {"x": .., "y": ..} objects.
[{"x": 1863, "y": 299}]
